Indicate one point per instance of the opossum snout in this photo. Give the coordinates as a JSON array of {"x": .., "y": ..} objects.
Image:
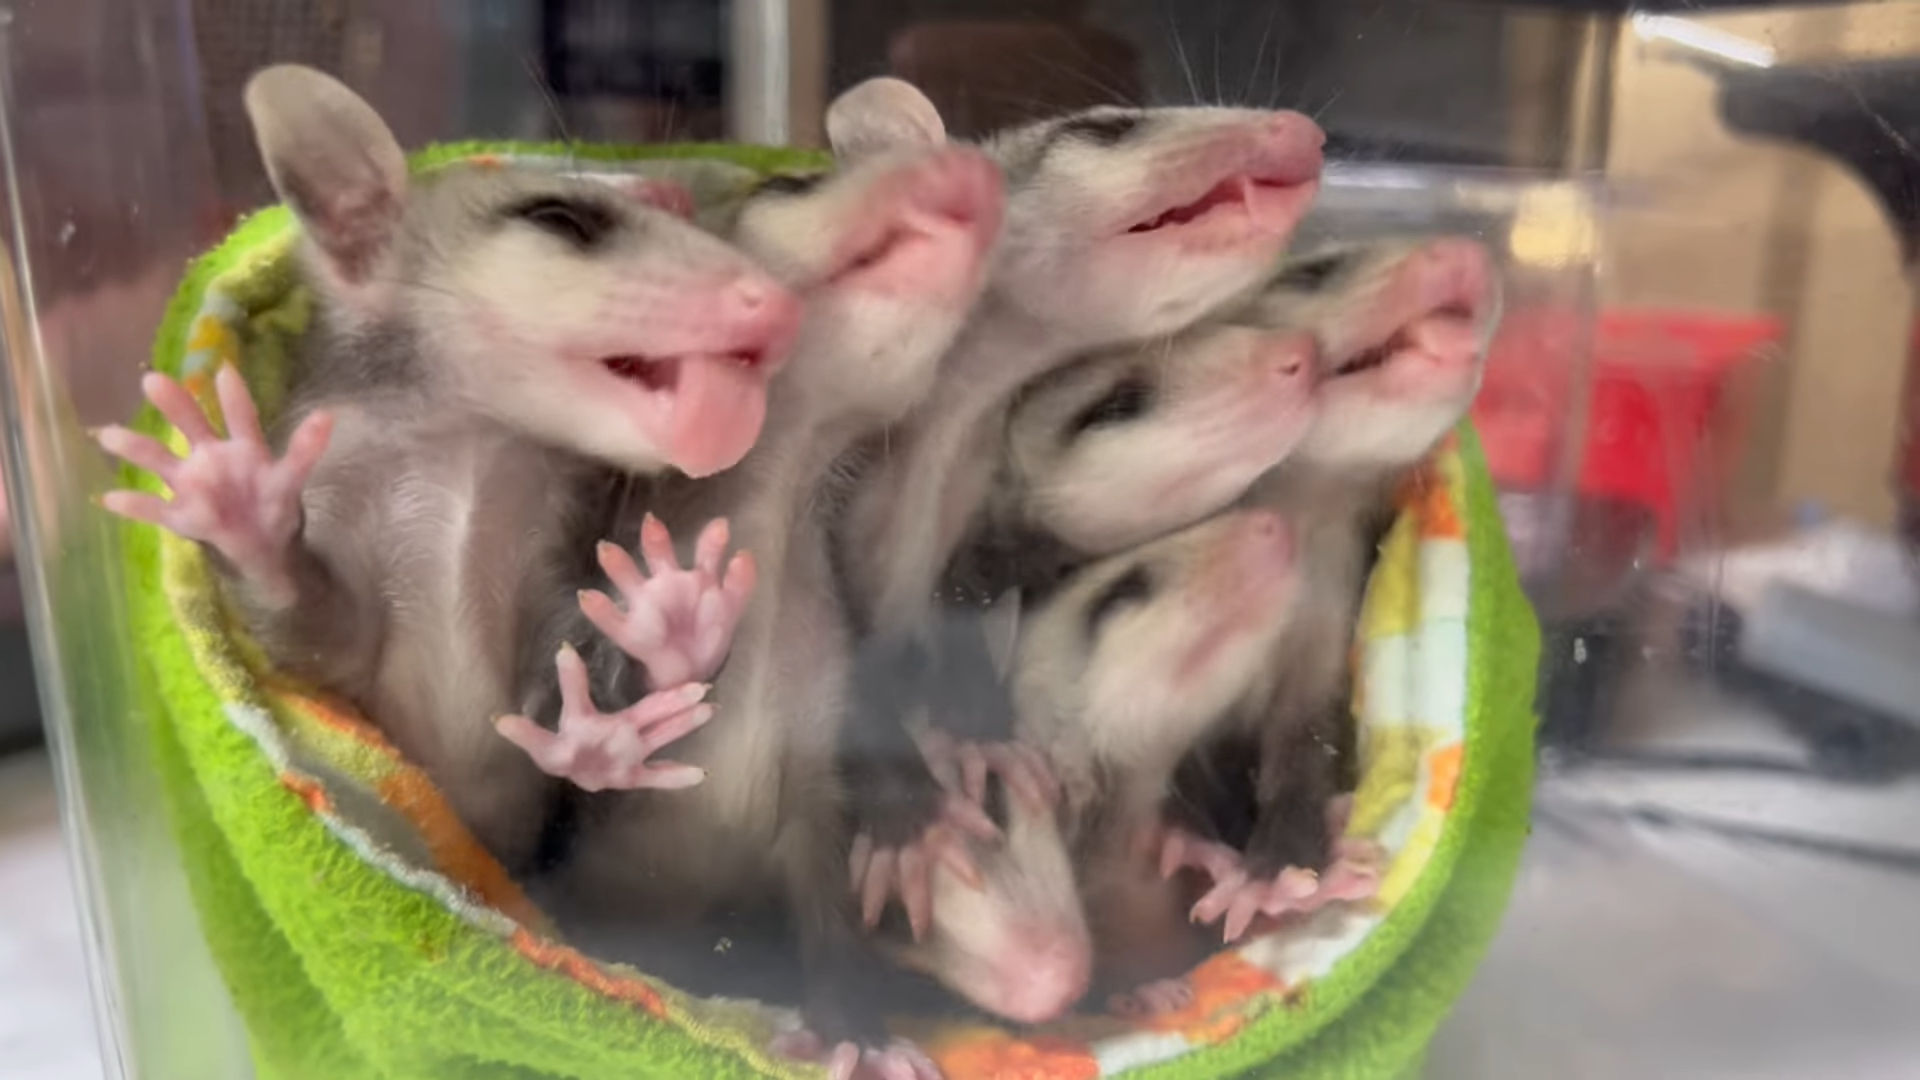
[
  {"x": 761, "y": 312},
  {"x": 1457, "y": 277},
  {"x": 962, "y": 186},
  {"x": 1265, "y": 536},
  {"x": 1041, "y": 976},
  {"x": 1285, "y": 363}
]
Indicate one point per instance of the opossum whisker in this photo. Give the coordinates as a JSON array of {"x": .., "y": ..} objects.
[
  {"x": 1260, "y": 54},
  {"x": 1087, "y": 76},
  {"x": 1180, "y": 52},
  {"x": 552, "y": 103},
  {"x": 1219, "y": 98}
]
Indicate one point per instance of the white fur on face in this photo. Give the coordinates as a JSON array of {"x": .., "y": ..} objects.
[
  {"x": 1020, "y": 946},
  {"x": 1207, "y": 431},
  {"x": 1210, "y": 411},
  {"x": 524, "y": 325},
  {"x": 1070, "y": 260},
  {"x": 1140, "y": 683},
  {"x": 889, "y": 254}
]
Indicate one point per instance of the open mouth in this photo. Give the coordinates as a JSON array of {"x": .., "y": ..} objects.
[
  {"x": 701, "y": 411},
  {"x": 661, "y": 374},
  {"x": 1248, "y": 193},
  {"x": 1460, "y": 315},
  {"x": 1232, "y": 191}
]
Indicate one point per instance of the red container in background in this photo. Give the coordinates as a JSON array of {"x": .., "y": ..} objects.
[{"x": 1656, "y": 417}]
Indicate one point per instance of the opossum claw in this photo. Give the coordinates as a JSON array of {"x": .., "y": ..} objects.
[
  {"x": 899, "y": 1060},
  {"x": 1353, "y": 875},
  {"x": 229, "y": 492},
  {"x": 598, "y": 751},
  {"x": 1181, "y": 849},
  {"x": 964, "y": 766},
  {"x": 677, "y": 622},
  {"x": 907, "y": 871},
  {"x": 1024, "y": 769},
  {"x": 1153, "y": 999}
]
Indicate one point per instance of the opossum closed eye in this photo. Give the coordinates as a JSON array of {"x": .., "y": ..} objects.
[
  {"x": 790, "y": 183},
  {"x": 1312, "y": 274},
  {"x": 1101, "y": 129},
  {"x": 579, "y": 222},
  {"x": 1129, "y": 399},
  {"x": 1133, "y": 587}
]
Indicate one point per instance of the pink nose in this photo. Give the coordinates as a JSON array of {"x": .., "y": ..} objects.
[
  {"x": 1267, "y": 536},
  {"x": 765, "y": 316},
  {"x": 1292, "y": 356},
  {"x": 1293, "y": 150},
  {"x": 1042, "y": 984},
  {"x": 1460, "y": 273}
]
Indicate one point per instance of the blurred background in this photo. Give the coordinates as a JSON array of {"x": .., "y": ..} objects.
[{"x": 1701, "y": 411}]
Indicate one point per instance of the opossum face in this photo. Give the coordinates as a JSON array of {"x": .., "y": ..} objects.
[
  {"x": 589, "y": 315},
  {"x": 889, "y": 255},
  {"x": 1121, "y": 223},
  {"x": 1403, "y": 328},
  {"x": 1126, "y": 223},
  {"x": 1017, "y": 947},
  {"x": 1124, "y": 446},
  {"x": 1391, "y": 337},
  {"x": 1140, "y": 653}
]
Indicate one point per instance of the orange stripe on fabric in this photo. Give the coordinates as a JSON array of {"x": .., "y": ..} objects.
[
  {"x": 995, "y": 1055},
  {"x": 1411, "y": 493},
  {"x": 568, "y": 962},
  {"x": 411, "y": 794},
  {"x": 329, "y": 712},
  {"x": 1425, "y": 495},
  {"x": 309, "y": 792},
  {"x": 455, "y": 852},
  {"x": 1445, "y": 776},
  {"x": 1439, "y": 518},
  {"x": 1222, "y": 987}
]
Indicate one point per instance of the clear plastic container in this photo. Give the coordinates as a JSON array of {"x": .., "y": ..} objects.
[{"x": 1696, "y": 416}]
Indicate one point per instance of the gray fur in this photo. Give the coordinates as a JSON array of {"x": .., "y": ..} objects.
[{"x": 448, "y": 517}]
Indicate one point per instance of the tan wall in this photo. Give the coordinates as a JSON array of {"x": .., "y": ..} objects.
[{"x": 1711, "y": 219}]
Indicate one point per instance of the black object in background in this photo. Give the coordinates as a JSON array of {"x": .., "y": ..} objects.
[
  {"x": 666, "y": 53},
  {"x": 19, "y": 700},
  {"x": 1866, "y": 116}
]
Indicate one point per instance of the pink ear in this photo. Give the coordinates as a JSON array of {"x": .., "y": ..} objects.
[{"x": 666, "y": 195}]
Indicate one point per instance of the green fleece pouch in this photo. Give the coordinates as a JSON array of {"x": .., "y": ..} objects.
[{"x": 364, "y": 934}]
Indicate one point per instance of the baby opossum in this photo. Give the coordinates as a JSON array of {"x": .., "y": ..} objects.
[
  {"x": 1121, "y": 668},
  {"x": 482, "y": 336},
  {"x": 888, "y": 254},
  {"x": 1241, "y": 397},
  {"x": 1402, "y": 329},
  {"x": 1121, "y": 224}
]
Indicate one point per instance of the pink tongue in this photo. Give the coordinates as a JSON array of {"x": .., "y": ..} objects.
[
  {"x": 718, "y": 409},
  {"x": 1446, "y": 340}
]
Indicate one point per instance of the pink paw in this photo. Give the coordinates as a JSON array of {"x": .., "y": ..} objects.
[
  {"x": 881, "y": 873},
  {"x": 1354, "y": 874},
  {"x": 1154, "y": 999},
  {"x": 228, "y": 492},
  {"x": 899, "y": 1060},
  {"x": 1180, "y": 849},
  {"x": 964, "y": 767},
  {"x": 599, "y": 751},
  {"x": 676, "y": 621}
]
